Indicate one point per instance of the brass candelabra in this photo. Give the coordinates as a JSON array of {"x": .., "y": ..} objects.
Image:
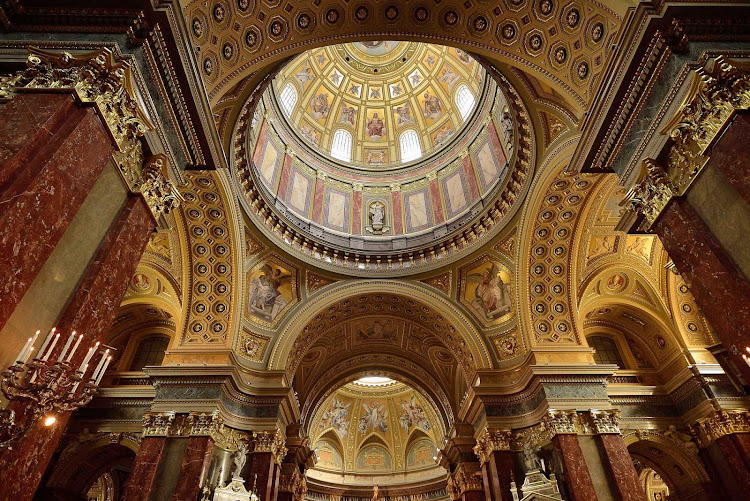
[{"x": 47, "y": 386}]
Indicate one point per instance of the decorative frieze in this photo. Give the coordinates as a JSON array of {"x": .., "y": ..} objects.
[
  {"x": 159, "y": 424},
  {"x": 561, "y": 421},
  {"x": 490, "y": 441},
  {"x": 271, "y": 442},
  {"x": 95, "y": 78},
  {"x": 719, "y": 424}
]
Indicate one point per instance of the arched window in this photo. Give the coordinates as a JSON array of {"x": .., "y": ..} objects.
[
  {"x": 150, "y": 352},
  {"x": 410, "y": 148},
  {"x": 341, "y": 146},
  {"x": 464, "y": 101},
  {"x": 606, "y": 351},
  {"x": 288, "y": 98}
]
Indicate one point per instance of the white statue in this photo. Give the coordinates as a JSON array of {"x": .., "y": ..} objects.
[
  {"x": 239, "y": 459},
  {"x": 377, "y": 213}
]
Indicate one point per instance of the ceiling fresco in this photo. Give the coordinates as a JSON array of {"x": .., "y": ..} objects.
[
  {"x": 375, "y": 91},
  {"x": 364, "y": 429}
]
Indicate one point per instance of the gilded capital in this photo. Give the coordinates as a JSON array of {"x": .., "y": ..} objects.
[
  {"x": 203, "y": 423},
  {"x": 558, "y": 422},
  {"x": 465, "y": 478},
  {"x": 651, "y": 195},
  {"x": 605, "y": 421},
  {"x": 490, "y": 441},
  {"x": 96, "y": 79},
  {"x": 270, "y": 442},
  {"x": 719, "y": 424},
  {"x": 158, "y": 424},
  {"x": 156, "y": 188}
]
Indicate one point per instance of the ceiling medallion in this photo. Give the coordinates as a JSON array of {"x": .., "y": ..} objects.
[
  {"x": 361, "y": 13},
  {"x": 421, "y": 14},
  {"x": 451, "y": 18}
]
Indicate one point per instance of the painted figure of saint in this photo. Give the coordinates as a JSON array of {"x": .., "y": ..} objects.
[{"x": 375, "y": 127}]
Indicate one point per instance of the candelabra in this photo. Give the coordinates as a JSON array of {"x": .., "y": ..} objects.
[{"x": 47, "y": 386}]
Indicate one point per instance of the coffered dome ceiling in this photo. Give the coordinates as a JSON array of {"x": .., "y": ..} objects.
[
  {"x": 320, "y": 162},
  {"x": 375, "y": 92}
]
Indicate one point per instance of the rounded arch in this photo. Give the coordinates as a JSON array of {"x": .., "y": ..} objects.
[
  {"x": 676, "y": 463},
  {"x": 465, "y": 343}
]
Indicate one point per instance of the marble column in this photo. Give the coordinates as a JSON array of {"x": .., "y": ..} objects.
[
  {"x": 720, "y": 289},
  {"x": 618, "y": 463},
  {"x": 195, "y": 462},
  {"x": 90, "y": 311},
  {"x": 264, "y": 475},
  {"x": 141, "y": 479},
  {"x": 497, "y": 475},
  {"x": 575, "y": 474},
  {"x": 731, "y": 152},
  {"x": 52, "y": 151}
]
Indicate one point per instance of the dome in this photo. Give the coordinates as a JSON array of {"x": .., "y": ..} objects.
[
  {"x": 383, "y": 158},
  {"x": 378, "y": 105}
]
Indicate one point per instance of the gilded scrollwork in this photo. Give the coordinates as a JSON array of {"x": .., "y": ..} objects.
[
  {"x": 154, "y": 185},
  {"x": 464, "y": 479},
  {"x": 605, "y": 421},
  {"x": 651, "y": 195},
  {"x": 95, "y": 78},
  {"x": 490, "y": 441},
  {"x": 271, "y": 442}
]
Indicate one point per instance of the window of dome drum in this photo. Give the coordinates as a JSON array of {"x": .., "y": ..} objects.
[
  {"x": 288, "y": 98},
  {"x": 374, "y": 381},
  {"x": 464, "y": 101},
  {"x": 410, "y": 149},
  {"x": 341, "y": 147}
]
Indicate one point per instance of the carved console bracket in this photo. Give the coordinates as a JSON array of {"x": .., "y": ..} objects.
[
  {"x": 466, "y": 477},
  {"x": 272, "y": 442}
]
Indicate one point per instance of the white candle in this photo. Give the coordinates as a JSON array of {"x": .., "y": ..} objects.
[
  {"x": 30, "y": 347},
  {"x": 85, "y": 360},
  {"x": 91, "y": 353},
  {"x": 101, "y": 362},
  {"x": 75, "y": 348},
  {"x": 21, "y": 353},
  {"x": 67, "y": 345},
  {"x": 52, "y": 347},
  {"x": 46, "y": 341},
  {"x": 28, "y": 354},
  {"x": 83, "y": 373},
  {"x": 104, "y": 369}
]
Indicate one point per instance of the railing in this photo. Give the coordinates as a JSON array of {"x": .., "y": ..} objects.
[{"x": 322, "y": 496}]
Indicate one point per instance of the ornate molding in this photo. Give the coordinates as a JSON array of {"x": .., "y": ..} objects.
[
  {"x": 720, "y": 424},
  {"x": 651, "y": 195},
  {"x": 490, "y": 441},
  {"x": 561, "y": 422},
  {"x": 159, "y": 424},
  {"x": 719, "y": 89},
  {"x": 169, "y": 424},
  {"x": 294, "y": 483},
  {"x": 155, "y": 187},
  {"x": 271, "y": 442},
  {"x": 96, "y": 79}
]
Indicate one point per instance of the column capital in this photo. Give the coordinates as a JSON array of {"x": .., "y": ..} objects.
[
  {"x": 271, "y": 442},
  {"x": 97, "y": 79},
  {"x": 651, "y": 194},
  {"x": 561, "y": 421},
  {"x": 294, "y": 483},
  {"x": 719, "y": 424},
  {"x": 156, "y": 188},
  {"x": 605, "y": 421},
  {"x": 490, "y": 441},
  {"x": 466, "y": 477}
]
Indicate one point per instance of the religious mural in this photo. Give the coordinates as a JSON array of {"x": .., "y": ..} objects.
[
  {"x": 412, "y": 414},
  {"x": 271, "y": 289},
  {"x": 486, "y": 290},
  {"x": 374, "y": 417},
  {"x": 337, "y": 417},
  {"x": 421, "y": 454}
]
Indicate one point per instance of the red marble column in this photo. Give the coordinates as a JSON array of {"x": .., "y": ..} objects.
[
  {"x": 437, "y": 203},
  {"x": 620, "y": 466},
  {"x": 357, "y": 212},
  {"x": 264, "y": 475},
  {"x": 51, "y": 154},
  {"x": 473, "y": 496},
  {"x": 736, "y": 450},
  {"x": 398, "y": 213},
  {"x": 318, "y": 200},
  {"x": 91, "y": 311},
  {"x": 497, "y": 474},
  {"x": 575, "y": 473},
  {"x": 731, "y": 152},
  {"x": 197, "y": 457},
  {"x": 720, "y": 289},
  {"x": 141, "y": 479}
]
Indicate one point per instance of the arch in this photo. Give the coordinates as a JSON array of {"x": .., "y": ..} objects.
[
  {"x": 150, "y": 351},
  {"x": 409, "y": 146},
  {"x": 341, "y": 145},
  {"x": 675, "y": 461},
  {"x": 468, "y": 346},
  {"x": 464, "y": 101},
  {"x": 607, "y": 351},
  {"x": 330, "y": 435},
  {"x": 373, "y": 439},
  {"x": 288, "y": 98}
]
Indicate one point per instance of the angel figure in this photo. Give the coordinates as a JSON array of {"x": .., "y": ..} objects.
[
  {"x": 491, "y": 296},
  {"x": 239, "y": 459},
  {"x": 265, "y": 298}
]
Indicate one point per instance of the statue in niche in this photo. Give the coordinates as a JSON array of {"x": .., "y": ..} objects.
[
  {"x": 531, "y": 458},
  {"x": 376, "y": 215}
]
